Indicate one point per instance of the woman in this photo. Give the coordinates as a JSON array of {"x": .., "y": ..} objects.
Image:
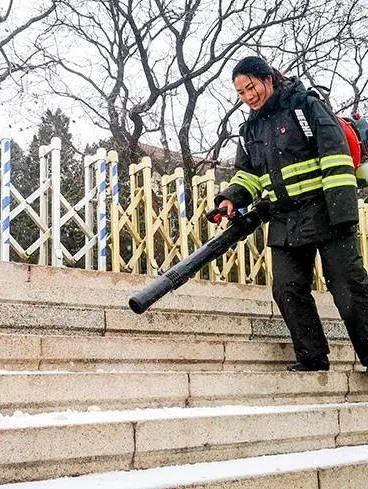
[{"x": 311, "y": 184}]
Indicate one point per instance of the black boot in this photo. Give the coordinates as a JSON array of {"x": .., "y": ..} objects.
[{"x": 310, "y": 366}]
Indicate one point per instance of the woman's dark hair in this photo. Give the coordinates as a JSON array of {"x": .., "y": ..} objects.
[{"x": 259, "y": 68}]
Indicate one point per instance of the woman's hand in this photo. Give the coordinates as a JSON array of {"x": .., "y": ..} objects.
[{"x": 229, "y": 206}]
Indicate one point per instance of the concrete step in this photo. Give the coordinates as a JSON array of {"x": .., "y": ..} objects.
[
  {"x": 45, "y": 277},
  {"x": 209, "y": 325},
  {"x": 58, "y": 444},
  {"x": 43, "y": 317},
  {"x": 334, "y": 468},
  {"x": 56, "y": 391},
  {"x": 35, "y": 297},
  {"x": 35, "y": 284},
  {"x": 91, "y": 352},
  {"x": 44, "y": 299}
]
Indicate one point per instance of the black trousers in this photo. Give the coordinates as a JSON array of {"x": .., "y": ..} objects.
[{"x": 347, "y": 281}]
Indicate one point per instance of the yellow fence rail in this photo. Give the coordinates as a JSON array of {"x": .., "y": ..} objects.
[{"x": 155, "y": 233}]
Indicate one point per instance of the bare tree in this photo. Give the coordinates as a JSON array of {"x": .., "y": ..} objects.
[
  {"x": 103, "y": 81},
  {"x": 327, "y": 49},
  {"x": 142, "y": 52},
  {"x": 353, "y": 72},
  {"x": 20, "y": 60},
  {"x": 157, "y": 70},
  {"x": 246, "y": 20}
]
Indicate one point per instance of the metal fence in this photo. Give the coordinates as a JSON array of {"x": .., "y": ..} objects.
[
  {"x": 50, "y": 211},
  {"x": 159, "y": 231},
  {"x": 154, "y": 229}
]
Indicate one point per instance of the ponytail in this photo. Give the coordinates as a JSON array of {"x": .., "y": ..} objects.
[{"x": 278, "y": 79}]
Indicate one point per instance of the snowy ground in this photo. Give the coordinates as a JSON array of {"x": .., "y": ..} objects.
[
  {"x": 171, "y": 477},
  {"x": 96, "y": 415}
]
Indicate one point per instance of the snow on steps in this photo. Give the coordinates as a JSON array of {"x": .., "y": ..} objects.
[
  {"x": 58, "y": 444},
  {"x": 204, "y": 334},
  {"x": 336, "y": 468},
  {"x": 55, "y": 391}
]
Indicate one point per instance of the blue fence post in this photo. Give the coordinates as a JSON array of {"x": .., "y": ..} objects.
[
  {"x": 101, "y": 209},
  {"x": 5, "y": 198}
]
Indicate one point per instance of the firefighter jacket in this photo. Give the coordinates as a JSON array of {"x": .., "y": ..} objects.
[{"x": 310, "y": 181}]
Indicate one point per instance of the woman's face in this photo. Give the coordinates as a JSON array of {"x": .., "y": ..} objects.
[{"x": 253, "y": 91}]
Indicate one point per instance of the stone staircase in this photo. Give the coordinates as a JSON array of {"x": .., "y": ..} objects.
[{"x": 87, "y": 387}]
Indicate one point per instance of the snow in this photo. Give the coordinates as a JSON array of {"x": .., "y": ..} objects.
[
  {"x": 23, "y": 420},
  {"x": 171, "y": 477}
]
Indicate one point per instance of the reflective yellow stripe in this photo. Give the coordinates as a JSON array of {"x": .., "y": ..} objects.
[
  {"x": 300, "y": 168},
  {"x": 336, "y": 160},
  {"x": 316, "y": 183},
  {"x": 305, "y": 186},
  {"x": 339, "y": 181},
  {"x": 332, "y": 157},
  {"x": 246, "y": 185},
  {"x": 249, "y": 181},
  {"x": 299, "y": 188},
  {"x": 265, "y": 180},
  {"x": 254, "y": 184},
  {"x": 293, "y": 170},
  {"x": 253, "y": 179}
]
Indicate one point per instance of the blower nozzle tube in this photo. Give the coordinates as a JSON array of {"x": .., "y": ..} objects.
[{"x": 184, "y": 270}]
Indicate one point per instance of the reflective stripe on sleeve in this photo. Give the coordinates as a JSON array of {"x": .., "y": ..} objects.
[
  {"x": 339, "y": 181},
  {"x": 255, "y": 184},
  {"x": 336, "y": 160},
  {"x": 249, "y": 181}
]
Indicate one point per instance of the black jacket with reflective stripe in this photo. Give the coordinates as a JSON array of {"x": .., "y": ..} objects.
[{"x": 311, "y": 183}]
